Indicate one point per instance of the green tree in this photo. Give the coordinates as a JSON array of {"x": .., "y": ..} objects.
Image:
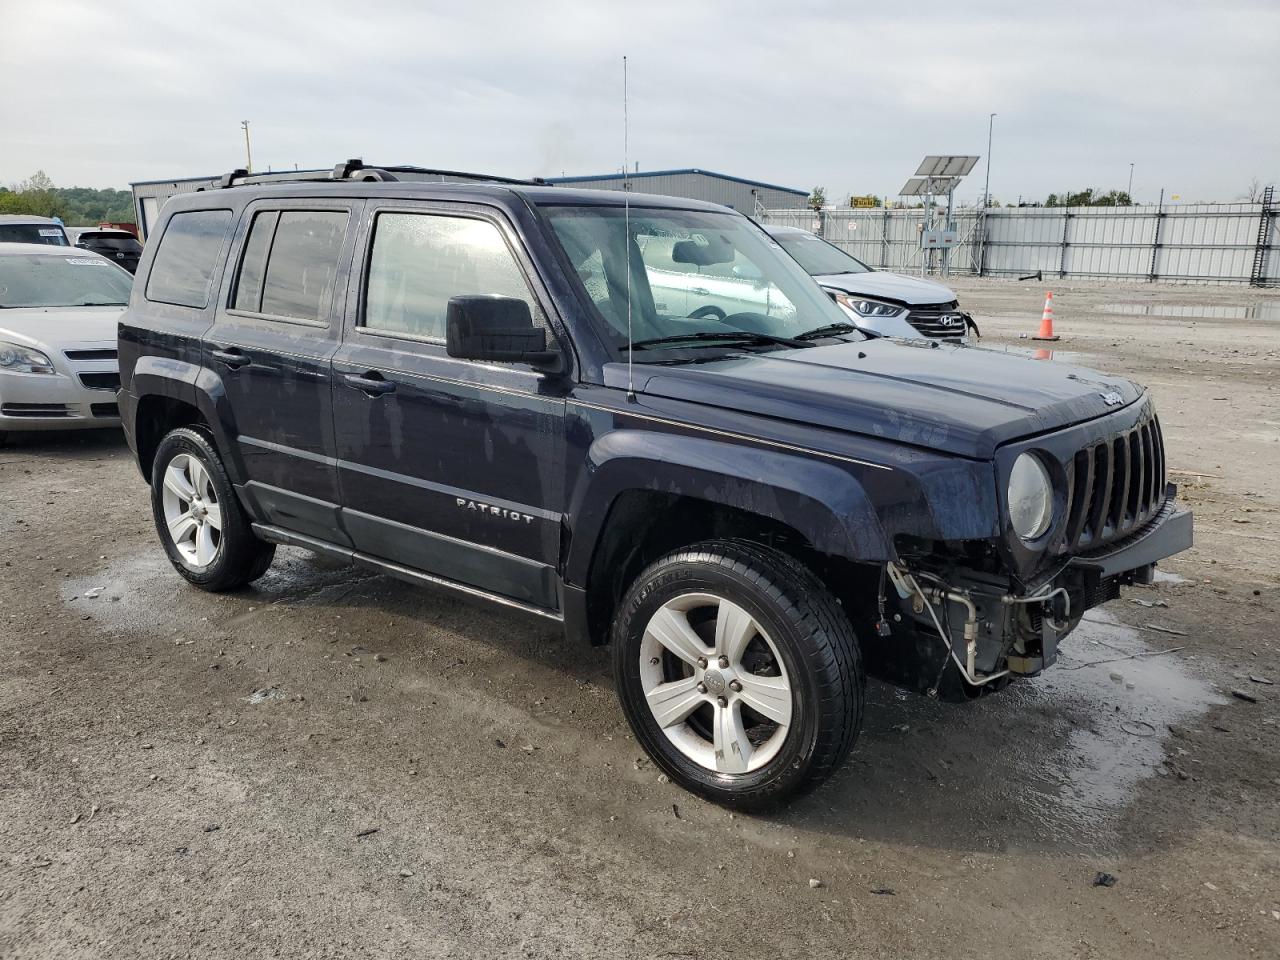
[
  {"x": 1090, "y": 198},
  {"x": 818, "y": 199}
]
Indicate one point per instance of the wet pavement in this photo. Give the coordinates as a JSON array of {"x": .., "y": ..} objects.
[{"x": 1048, "y": 763}]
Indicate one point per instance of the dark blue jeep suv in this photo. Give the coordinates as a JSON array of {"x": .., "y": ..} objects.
[{"x": 638, "y": 417}]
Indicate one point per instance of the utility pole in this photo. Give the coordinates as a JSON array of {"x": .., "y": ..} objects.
[
  {"x": 248, "y": 153},
  {"x": 986, "y": 191},
  {"x": 1130, "y": 190}
]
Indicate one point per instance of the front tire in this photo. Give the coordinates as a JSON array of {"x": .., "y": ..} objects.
[
  {"x": 199, "y": 519},
  {"x": 738, "y": 672}
]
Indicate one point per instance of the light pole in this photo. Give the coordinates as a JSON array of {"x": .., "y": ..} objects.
[
  {"x": 986, "y": 190},
  {"x": 1130, "y": 190},
  {"x": 986, "y": 202},
  {"x": 248, "y": 154}
]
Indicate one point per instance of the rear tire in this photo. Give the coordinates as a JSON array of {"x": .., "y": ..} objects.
[
  {"x": 738, "y": 672},
  {"x": 201, "y": 524}
]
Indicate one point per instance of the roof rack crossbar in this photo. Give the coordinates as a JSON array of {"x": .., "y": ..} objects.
[{"x": 357, "y": 170}]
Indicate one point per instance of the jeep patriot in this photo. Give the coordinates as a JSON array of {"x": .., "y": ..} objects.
[{"x": 489, "y": 386}]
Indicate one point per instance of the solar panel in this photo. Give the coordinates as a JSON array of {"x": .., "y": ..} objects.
[
  {"x": 920, "y": 186},
  {"x": 946, "y": 166}
]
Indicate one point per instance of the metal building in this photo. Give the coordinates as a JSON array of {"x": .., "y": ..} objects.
[
  {"x": 747, "y": 196},
  {"x": 150, "y": 195}
]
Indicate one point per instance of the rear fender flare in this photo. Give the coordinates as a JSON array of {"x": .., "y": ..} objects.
[{"x": 201, "y": 388}]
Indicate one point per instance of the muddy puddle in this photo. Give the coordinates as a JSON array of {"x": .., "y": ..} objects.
[{"x": 1196, "y": 311}]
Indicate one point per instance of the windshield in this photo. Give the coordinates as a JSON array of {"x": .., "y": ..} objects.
[
  {"x": 47, "y": 233},
  {"x": 58, "y": 281},
  {"x": 692, "y": 272},
  {"x": 110, "y": 241},
  {"x": 819, "y": 257}
]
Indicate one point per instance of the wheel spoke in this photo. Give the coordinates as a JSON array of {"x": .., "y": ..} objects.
[
  {"x": 206, "y": 549},
  {"x": 768, "y": 696},
  {"x": 734, "y": 630},
  {"x": 732, "y": 748},
  {"x": 213, "y": 515},
  {"x": 199, "y": 478},
  {"x": 671, "y": 629},
  {"x": 176, "y": 482},
  {"x": 182, "y": 527},
  {"x": 672, "y": 702}
]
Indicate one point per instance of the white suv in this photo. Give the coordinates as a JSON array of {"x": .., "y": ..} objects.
[{"x": 888, "y": 304}]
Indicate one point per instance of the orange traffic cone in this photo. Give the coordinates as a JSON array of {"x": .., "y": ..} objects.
[{"x": 1046, "y": 321}]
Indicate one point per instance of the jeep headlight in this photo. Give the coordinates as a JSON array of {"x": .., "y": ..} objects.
[
  {"x": 1030, "y": 497},
  {"x": 19, "y": 359},
  {"x": 864, "y": 307}
]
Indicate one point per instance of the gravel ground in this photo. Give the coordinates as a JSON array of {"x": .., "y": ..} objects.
[{"x": 335, "y": 764}]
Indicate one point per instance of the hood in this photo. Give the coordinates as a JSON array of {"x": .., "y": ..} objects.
[
  {"x": 961, "y": 400},
  {"x": 889, "y": 286},
  {"x": 57, "y": 327}
]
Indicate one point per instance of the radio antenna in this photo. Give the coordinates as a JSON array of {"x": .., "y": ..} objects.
[{"x": 626, "y": 221}]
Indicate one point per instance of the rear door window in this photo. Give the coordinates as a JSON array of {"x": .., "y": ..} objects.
[
  {"x": 290, "y": 264},
  {"x": 188, "y": 255}
]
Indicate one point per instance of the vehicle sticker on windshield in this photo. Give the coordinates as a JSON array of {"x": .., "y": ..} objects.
[
  {"x": 85, "y": 261},
  {"x": 50, "y": 232}
]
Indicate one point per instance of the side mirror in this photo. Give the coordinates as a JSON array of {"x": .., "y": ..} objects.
[
  {"x": 748, "y": 271},
  {"x": 499, "y": 329}
]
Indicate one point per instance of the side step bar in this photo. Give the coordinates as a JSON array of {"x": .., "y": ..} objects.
[{"x": 288, "y": 538}]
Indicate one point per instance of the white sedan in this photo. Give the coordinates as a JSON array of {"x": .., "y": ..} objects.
[{"x": 58, "y": 313}]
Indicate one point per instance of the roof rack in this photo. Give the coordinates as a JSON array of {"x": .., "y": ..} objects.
[{"x": 356, "y": 170}]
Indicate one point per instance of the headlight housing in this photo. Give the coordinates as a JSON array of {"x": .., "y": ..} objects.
[
  {"x": 1030, "y": 497},
  {"x": 19, "y": 359},
  {"x": 865, "y": 307}
]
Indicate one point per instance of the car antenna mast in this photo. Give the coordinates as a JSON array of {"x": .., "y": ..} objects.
[{"x": 626, "y": 221}]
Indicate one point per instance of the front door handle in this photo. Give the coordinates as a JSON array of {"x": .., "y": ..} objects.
[
  {"x": 232, "y": 357},
  {"x": 371, "y": 383}
]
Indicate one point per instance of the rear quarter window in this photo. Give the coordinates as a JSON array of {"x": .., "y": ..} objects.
[{"x": 183, "y": 268}]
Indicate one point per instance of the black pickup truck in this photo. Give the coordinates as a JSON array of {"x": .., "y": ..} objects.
[{"x": 489, "y": 385}]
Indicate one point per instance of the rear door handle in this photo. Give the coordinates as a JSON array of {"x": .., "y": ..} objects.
[
  {"x": 232, "y": 357},
  {"x": 371, "y": 383}
]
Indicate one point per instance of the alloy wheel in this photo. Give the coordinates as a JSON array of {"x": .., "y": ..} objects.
[
  {"x": 192, "y": 513},
  {"x": 715, "y": 684}
]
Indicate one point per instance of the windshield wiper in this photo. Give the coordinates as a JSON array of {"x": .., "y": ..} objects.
[
  {"x": 729, "y": 338},
  {"x": 103, "y": 303},
  {"x": 826, "y": 331}
]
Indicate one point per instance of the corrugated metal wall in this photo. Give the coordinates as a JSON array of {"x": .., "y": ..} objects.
[
  {"x": 1207, "y": 243},
  {"x": 695, "y": 186}
]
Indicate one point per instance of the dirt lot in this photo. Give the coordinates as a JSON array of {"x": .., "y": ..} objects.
[{"x": 183, "y": 775}]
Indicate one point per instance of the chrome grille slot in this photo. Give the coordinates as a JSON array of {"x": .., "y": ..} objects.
[{"x": 927, "y": 320}]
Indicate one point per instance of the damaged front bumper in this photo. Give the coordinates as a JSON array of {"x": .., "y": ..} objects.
[{"x": 982, "y": 626}]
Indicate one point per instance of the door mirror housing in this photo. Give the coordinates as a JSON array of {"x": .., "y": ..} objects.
[{"x": 497, "y": 329}]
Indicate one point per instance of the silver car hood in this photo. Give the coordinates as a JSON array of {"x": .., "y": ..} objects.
[
  {"x": 889, "y": 286},
  {"x": 56, "y": 327}
]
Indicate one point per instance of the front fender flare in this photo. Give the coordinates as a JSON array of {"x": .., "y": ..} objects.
[{"x": 824, "y": 502}]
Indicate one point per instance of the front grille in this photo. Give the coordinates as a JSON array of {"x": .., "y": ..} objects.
[
  {"x": 929, "y": 320},
  {"x": 1115, "y": 486},
  {"x": 35, "y": 410},
  {"x": 105, "y": 410},
  {"x": 90, "y": 354},
  {"x": 101, "y": 381}
]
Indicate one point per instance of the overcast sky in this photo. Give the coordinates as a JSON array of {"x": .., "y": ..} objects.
[{"x": 845, "y": 95}]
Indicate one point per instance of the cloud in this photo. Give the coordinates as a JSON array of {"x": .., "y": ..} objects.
[{"x": 845, "y": 95}]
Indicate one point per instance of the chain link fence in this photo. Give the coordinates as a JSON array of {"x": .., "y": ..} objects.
[{"x": 1204, "y": 243}]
